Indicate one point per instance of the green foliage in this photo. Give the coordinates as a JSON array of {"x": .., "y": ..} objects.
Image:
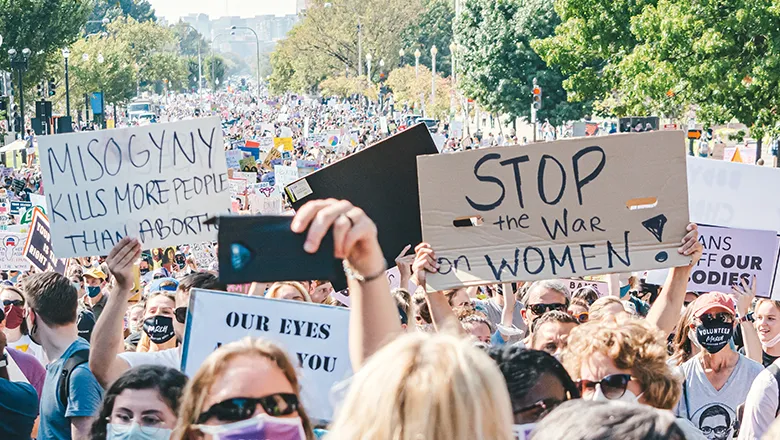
[
  {"x": 432, "y": 27},
  {"x": 414, "y": 89},
  {"x": 115, "y": 77},
  {"x": 497, "y": 64},
  {"x": 189, "y": 40},
  {"x": 138, "y": 10},
  {"x": 345, "y": 87},
  {"x": 214, "y": 71}
]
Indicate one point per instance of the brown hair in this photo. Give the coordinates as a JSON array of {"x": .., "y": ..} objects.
[
  {"x": 53, "y": 298},
  {"x": 214, "y": 366},
  {"x": 681, "y": 345},
  {"x": 421, "y": 305}
]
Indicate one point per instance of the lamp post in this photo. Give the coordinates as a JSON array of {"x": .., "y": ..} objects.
[
  {"x": 100, "y": 61},
  {"x": 368, "y": 65},
  {"x": 400, "y": 57},
  {"x": 434, "y": 51},
  {"x": 20, "y": 61},
  {"x": 66, "y": 55},
  {"x": 257, "y": 40},
  {"x": 417, "y": 62},
  {"x": 453, "y": 49}
]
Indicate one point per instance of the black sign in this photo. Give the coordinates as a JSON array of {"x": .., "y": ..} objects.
[
  {"x": 18, "y": 185},
  {"x": 38, "y": 248},
  {"x": 16, "y": 207}
]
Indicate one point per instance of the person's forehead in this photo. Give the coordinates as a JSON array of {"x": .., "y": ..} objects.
[
  {"x": 159, "y": 300},
  {"x": 545, "y": 293},
  {"x": 546, "y": 386},
  {"x": 9, "y": 294},
  {"x": 553, "y": 329}
]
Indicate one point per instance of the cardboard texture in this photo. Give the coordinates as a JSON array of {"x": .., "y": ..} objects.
[
  {"x": 381, "y": 180},
  {"x": 555, "y": 210}
]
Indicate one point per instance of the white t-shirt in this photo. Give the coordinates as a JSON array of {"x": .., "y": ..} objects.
[
  {"x": 710, "y": 409},
  {"x": 26, "y": 345},
  {"x": 170, "y": 358},
  {"x": 760, "y": 406}
]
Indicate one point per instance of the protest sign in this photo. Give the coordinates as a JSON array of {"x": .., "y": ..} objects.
[
  {"x": 248, "y": 164},
  {"x": 333, "y": 139},
  {"x": 204, "y": 254},
  {"x": 237, "y": 187},
  {"x": 555, "y": 210},
  {"x": 250, "y": 177},
  {"x": 284, "y": 142},
  {"x": 233, "y": 158},
  {"x": 314, "y": 336},
  {"x": 12, "y": 251},
  {"x": 17, "y": 207},
  {"x": 740, "y": 155},
  {"x": 37, "y": 248},
  {"x": 285, "y": 132},
  {"x": 733, "y": 254},
  {"x": 272, "y": 155},
  {"x": 285, "y": 175},
  {"x": 383, "y": 125},
  {"x": 394, "y": 279},
  {"x": 600, "y": 286},
  {"x": 456, "y": 129},
  {"x": 156, "y": 182},
  {"x": 38, "y": 200},
  {"x": 268, "y": 200}
]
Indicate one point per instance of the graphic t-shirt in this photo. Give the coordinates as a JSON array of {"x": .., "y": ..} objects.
[
  {"x": 26, "y": 345},
  {"x": 714, "y": 412}
]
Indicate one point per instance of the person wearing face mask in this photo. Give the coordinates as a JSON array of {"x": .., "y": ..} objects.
[
  {"x": 141, "y": 405},
  {"x": 717, "y": 379},
  {"x": 157, "y": 325},
  {"x": 95, "y": 300},
  {"x": 15, "y": 327}
]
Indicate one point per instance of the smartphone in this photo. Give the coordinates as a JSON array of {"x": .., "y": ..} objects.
[{"x": 265, "y": 249}]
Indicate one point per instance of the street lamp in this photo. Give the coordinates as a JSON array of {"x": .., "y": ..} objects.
[
  {"x": 417, "y": 62},
  {"x": 434, "y": 51},
  {"x": 257, "y": 39},
  {"x": 66, "y": 55},
  {"x": 368, "y": 63},
  {"x": 100, "y": 61},
  {"x": 400, "y": 57},
  {"x": 453, "y": 49},
  {"x": 20, "y": 61}
]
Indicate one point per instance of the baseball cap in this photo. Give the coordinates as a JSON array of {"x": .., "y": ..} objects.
[
  {"x": 95, "y": 272},
  {"x": 713, "y": 302}
]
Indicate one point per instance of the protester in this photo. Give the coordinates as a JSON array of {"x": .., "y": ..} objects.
[
  {"x": 682, "y": 345},
  {"x": 158, "y": 333},
  {"x": 543, "y": 296},
  {"x": 51, "y": 317},
  {"x": 607, "y": 306},
  {"x": 579, "y": 309},
  {"x": 95, "y": 299},
  {"x": 142, "y": 404},
  {"x": 288, "y": 290},
  {"x": 18, "y": 398},
  {"x": 320, "y": 291},
  {"x": 550, "y": 332},
  {"x": 15, "y": 326}
]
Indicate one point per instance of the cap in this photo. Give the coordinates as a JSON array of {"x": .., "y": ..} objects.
[
  {"x": 713, "y": 302},
  {"x": 95, "y": 272}
]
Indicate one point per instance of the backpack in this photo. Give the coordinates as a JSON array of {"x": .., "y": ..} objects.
[{"x": 63, "y": 383}]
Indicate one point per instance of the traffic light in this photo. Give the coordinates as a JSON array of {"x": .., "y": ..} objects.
[
  {"x": 40, "y": 90},
  {"x": 537, "y": 97},
  {"x": 52, "y": 87}
]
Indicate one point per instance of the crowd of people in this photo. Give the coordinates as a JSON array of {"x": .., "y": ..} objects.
[{"x": 88, "y": 354}]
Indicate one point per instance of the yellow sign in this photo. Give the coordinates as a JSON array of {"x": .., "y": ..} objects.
[{"x": 286, "y": 142}]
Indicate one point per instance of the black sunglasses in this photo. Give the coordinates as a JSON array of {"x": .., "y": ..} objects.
[
  {"x": 13, "y": 302},
  {"x": 723, "y": 317},
  {"x": 541, "y": 309},
  {"x": 181, "y": 314},
  {"x": 540, "y": 408},
  {"x": 242, "y": 408},
  {"x": 613, "y": 386}
]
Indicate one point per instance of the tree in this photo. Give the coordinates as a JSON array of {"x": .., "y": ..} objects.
[
  {"x": 189, "y": 40},
  {"x": 344, "y": 87},
  {"x": 214, "y": 70},
  {"x": 497, "y": 64},
  {"x": 138, "y": 10},
  {"x": 414, "y": 90},
  {"x": 433, "y": 27},
  {"x": 115, "y": 76}
]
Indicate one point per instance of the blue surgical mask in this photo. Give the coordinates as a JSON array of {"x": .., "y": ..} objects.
[
  {"x": 135, "y": 431},
  {"x": 93, "y": 291}
]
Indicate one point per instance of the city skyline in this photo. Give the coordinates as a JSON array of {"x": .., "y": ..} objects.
[{"x": 172, "y": 10}]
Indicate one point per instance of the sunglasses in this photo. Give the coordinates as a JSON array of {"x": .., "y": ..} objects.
[
  {"x": 539, "y": 409},
  {"x": 724, "y": 317},
  {"x": 613, "y": 386},
  {"x": 242, "y": 408},
  {"x": 13, "y": 302},
  {"x": 582, "y": 318},
  {"x": 541, "y": 309},
  {"x": 181, "y": 314}
]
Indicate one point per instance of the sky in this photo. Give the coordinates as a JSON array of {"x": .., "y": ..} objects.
[{"x": 173, "y": 9}]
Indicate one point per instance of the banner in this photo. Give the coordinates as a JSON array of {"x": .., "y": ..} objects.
[
  {"x": 37, "y": 248},
  {"x": 555, "y": 210},
  {"x": 12, "y": 251},
  {"x": 158, "y": 183},
  {"x": 314, "y": 336}
]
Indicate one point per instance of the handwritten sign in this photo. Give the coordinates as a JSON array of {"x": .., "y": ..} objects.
[
  {"x": 12, "y": 251},
  {"x": 37, "y": 247},
  {"x": 285, "y": 175},
  {"x": 266, "y": 200},
  {"x": 233, "y": 158},
  {"x": 158, "y": 183},
  {"x": 285, "y": 143},
  {"x": 315, "y": 337},
  {"x": 204, "y": 254},
  {"x": 555, "y": 210}
]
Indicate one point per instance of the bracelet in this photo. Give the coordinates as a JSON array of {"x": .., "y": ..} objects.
[
  {"x": 357, "y": 276},
  {"x": 748, "y": 318}
]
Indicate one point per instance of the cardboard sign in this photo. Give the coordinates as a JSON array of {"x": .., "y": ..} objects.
[
  {"x": 560, "y": 209},
  {"x": 285, "y": 143},
  {"x": 12, "y": 251},
  {"x": 734, "y": 254},
  {"x": 233, "y": 158},
  {"x": 237, "y": 187},
  {"x": 600, "y": 286},
  {"x": 314, "y": 336},
  {"x": 37, "y": 247},
  {"x": 156, "y": 182}
]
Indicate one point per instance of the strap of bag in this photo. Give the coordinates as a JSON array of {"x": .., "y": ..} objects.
[{"x": 63, "y": 383}]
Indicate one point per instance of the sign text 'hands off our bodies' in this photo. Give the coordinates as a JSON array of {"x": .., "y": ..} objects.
[
  {"x": 554, "y": 210},
  {"x": 157, "y": 183}
]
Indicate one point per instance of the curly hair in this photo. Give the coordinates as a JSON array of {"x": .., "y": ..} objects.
[
  {"x": 632, "y": 344},
  {"x": 169, "y": 383}
]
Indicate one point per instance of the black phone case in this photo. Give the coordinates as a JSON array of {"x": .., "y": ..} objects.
[{"x": 264, "y": 249}]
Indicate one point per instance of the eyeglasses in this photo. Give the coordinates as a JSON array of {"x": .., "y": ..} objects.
[
  {"x": 723, "y": 317},
  {"x": 13, "y": 302},
  {"x": 582, "y": 317},
  {"x": 242, "y": 408},
  {"x": 540, "y": 309},
  {"x": 613, "y": 386},
  {"x": 181, "y": 314},
  {"x": 538, "y": 410},
  {"x": 718, "y": 430}
]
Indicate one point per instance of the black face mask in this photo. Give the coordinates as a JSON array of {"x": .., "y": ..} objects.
[
  {"x": 714, "y": 335},
  {"x": 144, "y": 270},
  {"x": 159, "y": 328}
]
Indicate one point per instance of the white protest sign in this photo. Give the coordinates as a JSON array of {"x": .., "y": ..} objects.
[
  {"x": 12, "y": 251},
  {"x": 232, "y": 158},
  {"x": 285, "y": 175},
  {"x": 600, "y": 286},
  {"x": 237, "y": 187},
  {"x": 268, "y": 200},
  {"x": 394, "y": 278},
  {"x": 456, "y": 129},
  {"x": 39, "y": 200},
  {"x": 314, "y": 336},
  {"x": 285, "y": 132},
  {"x": 204, "y": 254},
  {"x": 157, "y": 182},
  {"x": 249, "y": 177},
  {"x": 523, "y": 432},
  {"x": 439, "y": 140},
  {"x": 560, "y": 209},
  {"x": 733, "y": 254},
  {"x": 383, "y": 125}
]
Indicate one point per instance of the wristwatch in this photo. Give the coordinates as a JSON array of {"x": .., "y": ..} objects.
[
  {"x": 748, "y": 317},
  {"x": 3, "y": 360}
]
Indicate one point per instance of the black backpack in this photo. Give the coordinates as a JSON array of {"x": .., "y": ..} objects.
[{"x": 63, "y": 383}]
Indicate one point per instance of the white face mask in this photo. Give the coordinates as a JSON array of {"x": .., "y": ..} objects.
[
  {"x": 772, "y": 342},
  {"x": 628, "y": 396},
  {"x": 135, "y": 431}
]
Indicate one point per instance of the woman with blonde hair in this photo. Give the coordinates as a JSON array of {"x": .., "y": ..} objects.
[
  {"x": 248, "y": 387},
  {"x": 607, "y": 306},
  {"x": 682, "y": 346},
  {"x": 423, "y": 386},
  {"x": 290, "y": 290}
]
